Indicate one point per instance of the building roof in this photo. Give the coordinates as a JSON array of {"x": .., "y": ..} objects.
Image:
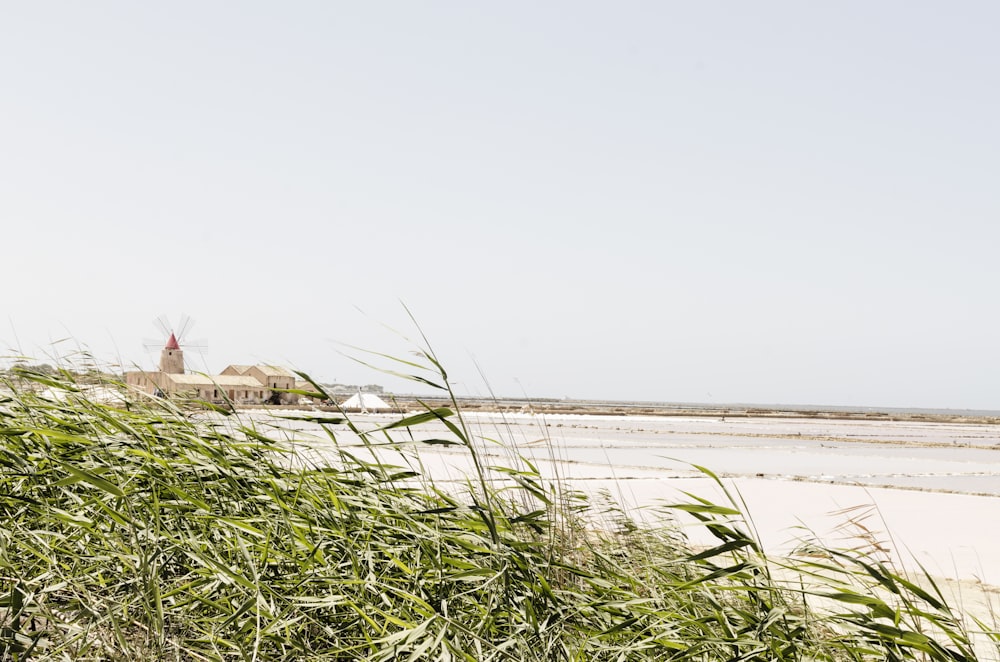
[
  {"x": 274, "y": 371},
  {"x": 172, "y": 342},
  {"x": 266, "y": 370},
  {"x": 214, "y": 380}
]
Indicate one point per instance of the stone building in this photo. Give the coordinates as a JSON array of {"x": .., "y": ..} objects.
[
  {"x": 271, "y": 376},
  {"x": 239, "y": 384}
]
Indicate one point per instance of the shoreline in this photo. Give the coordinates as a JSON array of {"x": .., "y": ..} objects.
[{"x": 409, "y": 402}]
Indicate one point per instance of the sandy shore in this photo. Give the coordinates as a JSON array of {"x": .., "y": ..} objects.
[{"x": 949, "y": 535}]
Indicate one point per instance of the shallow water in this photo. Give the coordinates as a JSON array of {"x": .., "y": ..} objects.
[{"x": 961, "y": 458}]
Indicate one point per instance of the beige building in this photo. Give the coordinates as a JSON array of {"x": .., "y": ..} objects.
[
  {"x": 239, "y": 384},
  {"x": 271, "y": 376}
]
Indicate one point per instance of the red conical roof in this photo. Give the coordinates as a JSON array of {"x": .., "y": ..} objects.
[{"x": 172, "y": 343}]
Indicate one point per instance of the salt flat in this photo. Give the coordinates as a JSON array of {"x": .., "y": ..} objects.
[{"x": 930, "y": 492}]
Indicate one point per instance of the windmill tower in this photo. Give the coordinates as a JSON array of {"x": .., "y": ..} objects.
[{"x": 172, "y": 357}]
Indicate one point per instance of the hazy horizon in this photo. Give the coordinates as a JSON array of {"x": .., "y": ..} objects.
[{"x": 766, "y": 203}]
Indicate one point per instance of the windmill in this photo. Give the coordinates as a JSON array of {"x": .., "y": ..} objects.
[{"x": 171, "y": 354}]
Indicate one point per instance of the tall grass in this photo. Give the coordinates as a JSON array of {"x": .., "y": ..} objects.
[{"x": 152, "y": 529}]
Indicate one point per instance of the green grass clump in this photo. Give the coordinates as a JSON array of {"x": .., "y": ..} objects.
[{"x": 146, "y": 529}]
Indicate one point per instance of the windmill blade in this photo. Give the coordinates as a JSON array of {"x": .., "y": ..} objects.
[
  {"x": 155, "y": 345},
  {"x": 163, "y": 325},
  {"x": 179, "y": 331},
  {"x": 184, "y": 325}
]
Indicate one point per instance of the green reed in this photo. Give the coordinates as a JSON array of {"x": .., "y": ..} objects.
[{"x": 158, "y": 529}]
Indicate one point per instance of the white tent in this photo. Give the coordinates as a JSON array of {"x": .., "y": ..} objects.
[{"x": 365, "y": 402}]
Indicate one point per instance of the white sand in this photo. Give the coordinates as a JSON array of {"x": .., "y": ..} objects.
[{"x": 950, "y": 535}]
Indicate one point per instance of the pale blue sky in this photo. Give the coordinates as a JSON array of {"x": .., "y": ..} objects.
[{"x": 755, "y": 202}]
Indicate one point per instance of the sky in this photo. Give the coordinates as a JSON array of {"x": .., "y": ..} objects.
[{"x": 767, "y": 202}]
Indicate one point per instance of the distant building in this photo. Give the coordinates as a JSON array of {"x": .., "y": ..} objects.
[
  {"x": 240, "y": 384},
  {"x": 272, "y": 377}
]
